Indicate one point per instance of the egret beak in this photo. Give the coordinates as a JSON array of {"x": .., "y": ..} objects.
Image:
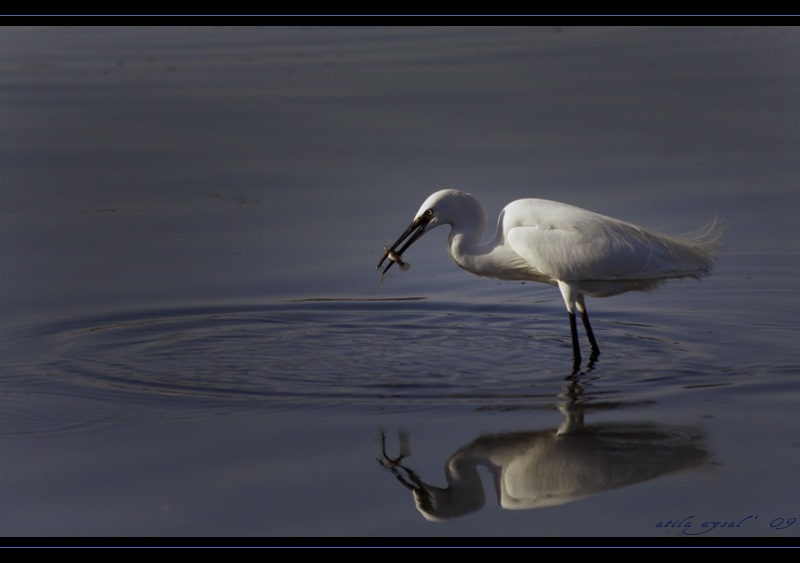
[{"x": 414, "y": 230}]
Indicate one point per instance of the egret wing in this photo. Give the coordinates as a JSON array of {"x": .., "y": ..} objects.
[{"x": 603, "y": 249}]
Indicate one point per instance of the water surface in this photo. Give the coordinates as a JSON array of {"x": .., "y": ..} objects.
[{"x": 196, "y": 343}]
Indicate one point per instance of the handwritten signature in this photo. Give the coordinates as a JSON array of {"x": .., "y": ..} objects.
[{"x": 691, "y": 527}]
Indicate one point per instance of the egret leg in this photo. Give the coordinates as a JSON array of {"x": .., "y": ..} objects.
[
  {"x": 573, "y": 327},
  {"x": 576, "y": 349},
  {"x": 581, "y": 306},
  {"x": 571, "y": 297}
]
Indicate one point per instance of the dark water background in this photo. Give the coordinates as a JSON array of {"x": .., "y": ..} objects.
[{"x": 195, "y": 342}]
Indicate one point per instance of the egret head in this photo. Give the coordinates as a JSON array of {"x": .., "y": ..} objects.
[{"x": 441, "y": 208}]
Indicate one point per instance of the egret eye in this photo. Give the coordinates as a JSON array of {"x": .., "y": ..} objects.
[{"x": 429, "y": 212}]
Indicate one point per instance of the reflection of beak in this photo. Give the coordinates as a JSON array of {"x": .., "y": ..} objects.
[{"x": 414, "y": 230}]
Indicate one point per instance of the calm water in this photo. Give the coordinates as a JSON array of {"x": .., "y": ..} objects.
[{"x": 195, "y": 341}]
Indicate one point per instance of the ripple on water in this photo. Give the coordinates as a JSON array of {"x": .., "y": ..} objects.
[
  {"x": 400, "y": 353},
  {"x": 315, "y": 352}
]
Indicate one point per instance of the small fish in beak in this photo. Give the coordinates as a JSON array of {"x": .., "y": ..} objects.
[
  {"x": 395, "y": 257},
  {"x": 412, "y": 233}
]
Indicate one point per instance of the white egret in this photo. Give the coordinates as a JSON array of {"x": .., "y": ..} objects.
[{"x": 581, "y": 252}]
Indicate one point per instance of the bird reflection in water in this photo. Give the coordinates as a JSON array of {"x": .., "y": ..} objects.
[{"x": 542, "y": 468}]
